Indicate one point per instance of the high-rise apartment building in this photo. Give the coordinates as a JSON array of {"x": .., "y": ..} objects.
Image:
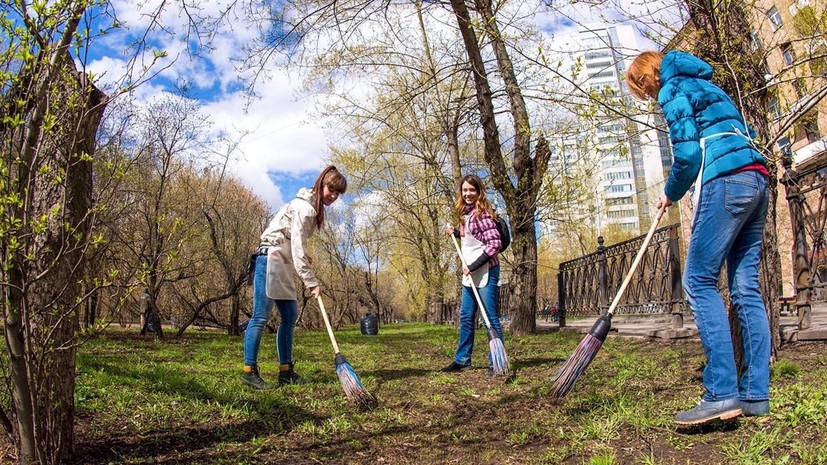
[{"x": 627, "y": 158}]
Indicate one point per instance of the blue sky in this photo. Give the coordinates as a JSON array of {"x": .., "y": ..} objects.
[
  {"x": 284, "y": 146},
  {"x": 281, "y": 147}
]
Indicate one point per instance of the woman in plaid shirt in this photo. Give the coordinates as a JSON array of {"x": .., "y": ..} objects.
[{"x": 481, "y": 243}]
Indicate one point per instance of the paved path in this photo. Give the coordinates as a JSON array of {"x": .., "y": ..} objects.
[{"x": 660, "y": 327}]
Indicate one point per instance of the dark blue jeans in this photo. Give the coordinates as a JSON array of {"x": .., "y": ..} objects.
[
  {"x": 262, "y": 310},
  {"x": 730, "y": 228},
  {"x": 468, "y": 315}
]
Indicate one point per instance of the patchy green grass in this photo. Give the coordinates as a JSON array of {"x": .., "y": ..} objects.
[{"x": 180, "y": 401}]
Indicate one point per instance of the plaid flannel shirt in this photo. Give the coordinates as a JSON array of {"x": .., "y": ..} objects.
[{"x": 484, "y": 229}]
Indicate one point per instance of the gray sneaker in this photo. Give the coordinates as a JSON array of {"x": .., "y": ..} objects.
[
  {"x": 755, "y": 408},
  {"x": 707, "y": 411},
  {"x": 254, "y": 380}
]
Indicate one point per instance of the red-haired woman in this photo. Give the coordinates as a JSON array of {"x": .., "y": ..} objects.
[{"x": 713, "y": 149}]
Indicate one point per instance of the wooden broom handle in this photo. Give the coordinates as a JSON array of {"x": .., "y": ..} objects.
[
  {"x": 327, "y": 325},
  {"x": 636, "y": 261}
]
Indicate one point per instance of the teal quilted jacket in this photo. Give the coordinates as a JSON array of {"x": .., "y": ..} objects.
[{"x": 696, "y": 108}]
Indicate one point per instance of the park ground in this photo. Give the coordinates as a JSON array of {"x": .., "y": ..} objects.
[{"x": 180, "y": 401}]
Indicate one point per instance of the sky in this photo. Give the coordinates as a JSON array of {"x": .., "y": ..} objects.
[
  {"x": 285, "y": 145},
  {"x": 282, "y": 148}
]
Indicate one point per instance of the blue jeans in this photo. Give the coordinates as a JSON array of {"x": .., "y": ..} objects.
[
  {"x": 262, "y": 309},
  {"x": 468, "y": 315},
  {"x": 730, "y": 227}
]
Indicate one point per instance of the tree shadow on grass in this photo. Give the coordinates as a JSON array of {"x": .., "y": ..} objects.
[
  {"x": 125, "y": 444},
  {"x": 268, "y": 415},
  {"x": 537, "y": 361}
]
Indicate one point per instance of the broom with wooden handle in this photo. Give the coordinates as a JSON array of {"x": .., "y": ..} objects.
[
  {"x": 499, "y": 361},
  {"x": 570, "y": 372},
  {"x": 354, "y": 389}
]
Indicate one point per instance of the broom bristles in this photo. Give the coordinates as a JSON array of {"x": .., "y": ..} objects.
[
  {"x": 570, "y": 372},
  {"x": 354, "y": 389},
  {"x": 499, "y": 361}
]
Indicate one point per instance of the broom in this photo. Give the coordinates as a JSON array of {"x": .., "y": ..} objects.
[
  {"x": 499, "y": 361},
  {"x": 354, "y": 389},
  {"x": 576, "y": 364}
]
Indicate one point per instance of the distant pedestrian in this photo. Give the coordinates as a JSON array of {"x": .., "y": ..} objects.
[
  {"x": 713, "y": 148},
  {"x": 481, "y": 244},
  {"x": 281, "y": 253}
]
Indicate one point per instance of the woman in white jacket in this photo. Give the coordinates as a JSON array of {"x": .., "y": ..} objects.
[{"x": 282, "y": 250}]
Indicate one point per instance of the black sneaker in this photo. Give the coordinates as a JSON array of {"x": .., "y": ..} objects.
[
  {"x": 490, "y": 372},
  {"x": 290, "y": 377},
  {"x": 254, "y": 380},
  {"x": 454, "y": 366}
]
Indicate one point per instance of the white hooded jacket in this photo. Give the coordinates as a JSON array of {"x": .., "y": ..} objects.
[{"x": 287, "y": 236}]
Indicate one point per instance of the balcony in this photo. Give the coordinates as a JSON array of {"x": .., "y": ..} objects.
[{"x": 809, "y": 151}]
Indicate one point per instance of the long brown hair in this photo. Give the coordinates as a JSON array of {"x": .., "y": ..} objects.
[
  {"x": 482, "y": 205},
  {"x": 335, "y": 181},
  {"x": 643, "y": 75}
]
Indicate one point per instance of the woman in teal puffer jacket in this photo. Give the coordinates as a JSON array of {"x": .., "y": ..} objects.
[{"x": 713, "y": 149}]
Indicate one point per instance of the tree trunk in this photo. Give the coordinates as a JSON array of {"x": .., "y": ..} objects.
[
  {"x": 235, "y": 310},
  {"x": 44, "y": 301},
  {"x": 738, "y": 68},
  {"x": 520, "y": 200}
]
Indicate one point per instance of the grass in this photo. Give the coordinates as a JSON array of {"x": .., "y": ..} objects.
[{"x": 139, "y": 401}]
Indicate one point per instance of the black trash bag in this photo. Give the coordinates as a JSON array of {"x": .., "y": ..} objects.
[
  {"x": 153, "y": 324},
  {"x": 370, "y": 324}
]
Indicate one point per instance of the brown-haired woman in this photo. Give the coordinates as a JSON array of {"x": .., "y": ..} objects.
[
  {"x": 481, "y": 244},
  {"x": 282, "y": 250}
]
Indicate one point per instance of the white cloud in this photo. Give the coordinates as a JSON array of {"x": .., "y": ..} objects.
[{"x": 277, "y": 140}]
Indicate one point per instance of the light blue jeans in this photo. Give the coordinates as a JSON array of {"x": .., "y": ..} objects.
[
  {"x": 262, "y": 310},
  {"x": 468, "y": 315},
  {"x": 730, "y": 227}
]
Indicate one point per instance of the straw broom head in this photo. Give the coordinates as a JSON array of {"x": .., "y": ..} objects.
[
  {"x": 354, "y": 389},
  {"x": 570, "y": 372},
  {"x": 499, "y": 360}
]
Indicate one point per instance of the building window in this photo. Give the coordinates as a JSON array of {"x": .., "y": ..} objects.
[
  {"x": 755, "y": 41},
  {"x": 810, "y": 126},
  {"x": 773, "y": 108},
  {"x": 775, "y": 18},
  {"x": 788, "y": 53},
  {"x": 800, "y": 89},
  {"x": 617, "y": 188},
  {"x": 784, "y": 147},
  {"x": 618, "y": 175}
]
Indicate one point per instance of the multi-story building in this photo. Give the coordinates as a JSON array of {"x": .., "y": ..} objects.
[
  {"x": 795, "y": 49},
  {"x": 628, "y": 159}
]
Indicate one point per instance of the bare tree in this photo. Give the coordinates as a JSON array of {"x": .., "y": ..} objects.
[{"x": 48, "y": 138}]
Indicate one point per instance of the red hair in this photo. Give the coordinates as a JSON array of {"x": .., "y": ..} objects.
[{"x": 643, "y": 75}]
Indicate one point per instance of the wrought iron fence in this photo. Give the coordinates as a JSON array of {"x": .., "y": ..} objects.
[
  {"x": 807, "y": 197},
  {"x": 588, "y": 283}
]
